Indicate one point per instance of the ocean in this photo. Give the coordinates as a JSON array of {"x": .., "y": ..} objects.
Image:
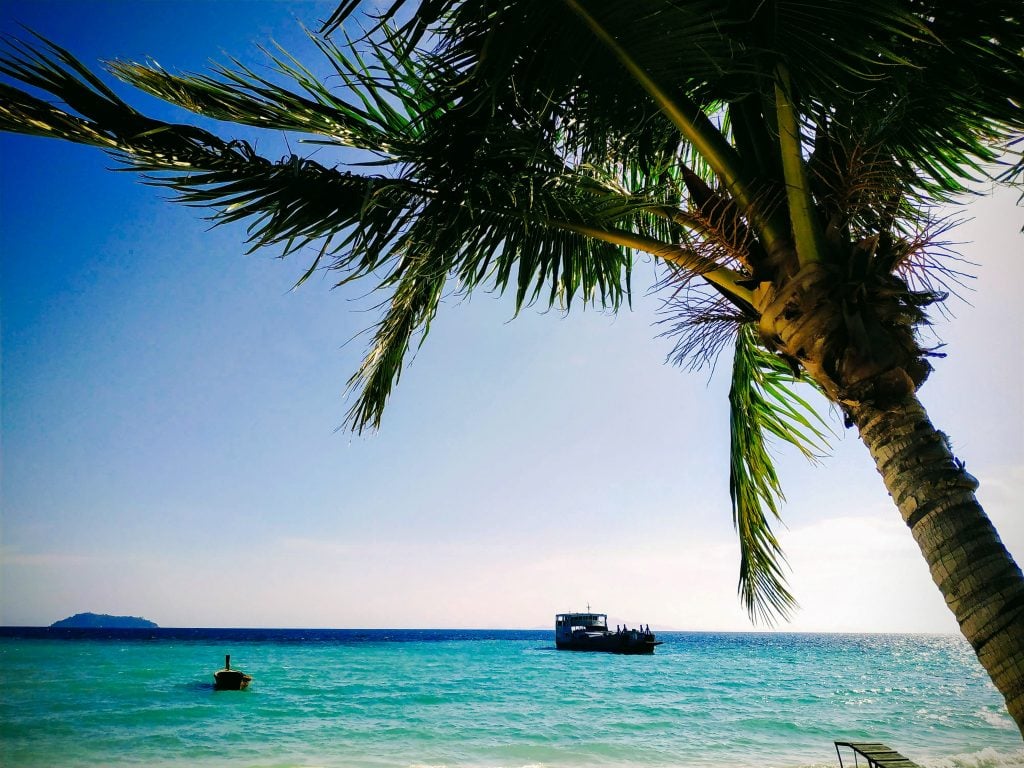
[{"x": 489, "y": 699}]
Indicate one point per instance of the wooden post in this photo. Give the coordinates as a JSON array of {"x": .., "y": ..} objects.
[{"x": 227, "y": 661}]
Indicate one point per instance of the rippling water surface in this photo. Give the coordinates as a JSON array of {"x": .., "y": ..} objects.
[{"x": 461, "y": 699}]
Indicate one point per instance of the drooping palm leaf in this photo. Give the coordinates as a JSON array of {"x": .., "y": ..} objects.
[{"x": 763, "y": 405}]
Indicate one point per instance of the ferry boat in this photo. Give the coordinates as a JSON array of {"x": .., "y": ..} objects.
[{"x": 589, "y": 632}]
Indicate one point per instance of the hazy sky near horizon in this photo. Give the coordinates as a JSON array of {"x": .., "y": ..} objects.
[{"x": 170, "y": 405}]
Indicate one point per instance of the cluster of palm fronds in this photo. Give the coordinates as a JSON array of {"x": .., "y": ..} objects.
[{"x": 533, "y": 147}]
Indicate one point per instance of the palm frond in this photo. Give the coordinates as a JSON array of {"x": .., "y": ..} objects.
[
  {"x": 1013, "y": 171},
  {"x": 292, "y": 202},
  {"x": 295, "y": 202},
  {"x": 379, "y": 108},
  {"x": 104, "y": 119},
  {"x": 763, "y": 404},
  {"x": 412, "y": 307},
  {"x": 701, "y": 323}
]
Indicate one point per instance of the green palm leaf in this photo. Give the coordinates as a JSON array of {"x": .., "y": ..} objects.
[
  {"x": 763, "y": 404},
  {"x": 379, "y": 108}
]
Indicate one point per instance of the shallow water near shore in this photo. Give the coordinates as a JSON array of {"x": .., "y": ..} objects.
[{"x": 483, "y": 699}]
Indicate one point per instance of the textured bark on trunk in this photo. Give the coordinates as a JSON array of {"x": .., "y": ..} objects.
[{"x": 977, "y": 576}]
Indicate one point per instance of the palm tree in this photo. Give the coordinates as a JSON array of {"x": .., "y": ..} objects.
[{"x": 779, "y": 159}]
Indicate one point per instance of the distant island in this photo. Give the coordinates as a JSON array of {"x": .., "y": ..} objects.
[{"x": 102, "y": 621}]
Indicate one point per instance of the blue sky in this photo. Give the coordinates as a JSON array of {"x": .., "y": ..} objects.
[{"x": 169, "y": 414}]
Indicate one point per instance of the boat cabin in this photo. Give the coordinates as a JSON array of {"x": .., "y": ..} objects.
[{"x": 567, "y": 623}]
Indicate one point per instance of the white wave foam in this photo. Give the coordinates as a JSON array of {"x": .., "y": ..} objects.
[
  {"x": 996, "y": 717},
  {"x": 986, "y": 758}
]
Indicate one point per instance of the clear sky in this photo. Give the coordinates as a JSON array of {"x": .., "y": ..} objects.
[{"x": 169, "y": 414}]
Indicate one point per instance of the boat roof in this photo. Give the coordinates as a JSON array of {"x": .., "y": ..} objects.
[{"x": 580, "y": 614}]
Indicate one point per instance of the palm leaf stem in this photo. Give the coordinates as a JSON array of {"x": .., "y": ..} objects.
[
  {"x": 729, "y": 280},
  {"x": 676, "y": 216},
  {"x": 802, "y": 215}
]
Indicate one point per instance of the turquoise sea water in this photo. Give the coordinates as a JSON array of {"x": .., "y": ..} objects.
[{"x": 485, "y": 699}]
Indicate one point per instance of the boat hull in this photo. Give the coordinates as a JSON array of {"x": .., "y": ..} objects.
[
  {"x": 230, "y": 680},
  {"x": 610, "y": 642}
]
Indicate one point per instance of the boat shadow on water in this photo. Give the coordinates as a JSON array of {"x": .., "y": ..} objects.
[{"x": 202, "y": 687}]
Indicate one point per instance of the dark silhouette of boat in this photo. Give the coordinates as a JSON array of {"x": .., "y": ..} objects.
[
  {"x": 229, "y": 679},
  {"x": 589, "y": 632}
]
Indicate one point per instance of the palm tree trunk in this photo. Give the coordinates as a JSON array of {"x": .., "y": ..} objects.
[{"x": 977, "y": 576}]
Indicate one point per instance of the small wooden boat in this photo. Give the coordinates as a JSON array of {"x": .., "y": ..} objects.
[{"x": 229, "y": 679}]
